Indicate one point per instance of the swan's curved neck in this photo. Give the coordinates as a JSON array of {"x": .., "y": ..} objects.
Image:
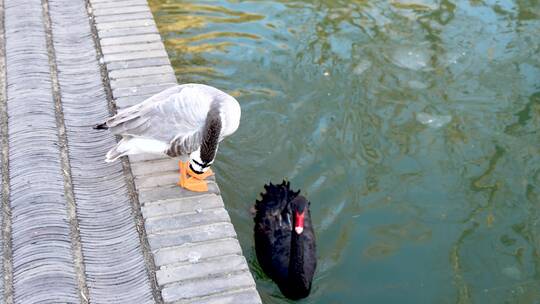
[{"x": 296, "y": 261}]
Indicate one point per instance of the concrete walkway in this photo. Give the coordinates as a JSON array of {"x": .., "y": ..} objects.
[{"x": 74, "y": 228}]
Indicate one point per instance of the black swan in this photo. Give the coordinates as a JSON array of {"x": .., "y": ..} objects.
[{"x": 285, "y": 240}]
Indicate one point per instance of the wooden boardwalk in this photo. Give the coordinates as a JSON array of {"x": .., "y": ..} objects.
[{"x": 74, "y": 228}]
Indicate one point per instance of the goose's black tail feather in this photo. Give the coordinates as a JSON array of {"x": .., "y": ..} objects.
[{"x": 101, "y": 126}]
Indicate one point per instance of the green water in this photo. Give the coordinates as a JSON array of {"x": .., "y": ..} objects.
[{"x": 412, "y": 126}]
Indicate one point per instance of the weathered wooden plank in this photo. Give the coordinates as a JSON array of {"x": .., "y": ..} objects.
[
  {"x": 248, "y": 296},
  {"x": 128, "y": 101},
  {"x": 139, "y": 63},
  {"x": 212, "y": 286},
  {"x": 169, "y": 192},
  {"x": 104, "y": 11},
  {"x": 141, "y": 90},
  {"x": 121, "y": 32},
  {"x": 126, "y": 48},
  {"x": 124, "y": 3},
  {"x": 176, "y": 222},
  {"x": 135, "y": 55},
  {"x": 126, "y": 82},
  {"x": 146, "y": 38},
  {"x": 204, "y": 233},
  {"x": 122, "y": 24},
  {"x": 222, "y": 265},
  {"x": 181, "y": 205},
  {"x": 197, "y": 251},
  {"x": 139, "y": 72},
  {"x": 123, "y": 17}
]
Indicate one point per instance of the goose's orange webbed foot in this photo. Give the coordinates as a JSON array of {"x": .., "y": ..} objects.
[{"x": 191, "y": 180}]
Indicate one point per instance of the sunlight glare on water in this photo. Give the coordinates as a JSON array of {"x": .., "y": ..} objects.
[{"x": 411, "y": 125}]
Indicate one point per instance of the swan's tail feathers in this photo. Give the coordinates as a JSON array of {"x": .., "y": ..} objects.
[
  {"x": 275, "y": 198},
  {"x": 136, "y": 145}
]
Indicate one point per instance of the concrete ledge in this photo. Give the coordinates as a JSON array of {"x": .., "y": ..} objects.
[
  {"x": 181, "y": 205},
  {"x": 204, "y": 250},
  {"x": 243, "y": 296},
  {"x": 216, "y": 285},
  {"x": 196, "y": 253},
  {"x": 201, "y": 269},
  {"x": 203, "y": 233}
]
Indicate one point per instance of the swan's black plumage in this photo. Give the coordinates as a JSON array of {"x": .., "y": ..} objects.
[{"x": 286, "y": 257}]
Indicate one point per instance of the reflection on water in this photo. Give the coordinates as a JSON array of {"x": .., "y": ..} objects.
[{"x": 412, "y": 125}]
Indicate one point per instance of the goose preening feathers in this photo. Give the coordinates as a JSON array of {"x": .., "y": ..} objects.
[
  {"x": 285, "y": 240},
  {"x": 188, "y": 119}
]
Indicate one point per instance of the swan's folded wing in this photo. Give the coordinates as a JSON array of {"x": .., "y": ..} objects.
[{"x": 272, "y": 246}]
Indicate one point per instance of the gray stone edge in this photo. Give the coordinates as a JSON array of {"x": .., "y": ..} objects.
[
  {"x": 124, "y": 86},
  {"x": 76, "y": 245},
  {"x": 6, "y": 270},
  {"x": 139, "y": 222}
]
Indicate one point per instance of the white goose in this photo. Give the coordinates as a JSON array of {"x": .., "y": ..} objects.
[{"x": 188, "y": 119}]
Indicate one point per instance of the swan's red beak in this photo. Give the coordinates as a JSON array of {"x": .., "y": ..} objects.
[{"x": 299, "y": 222}]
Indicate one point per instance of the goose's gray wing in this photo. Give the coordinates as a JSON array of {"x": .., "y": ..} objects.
[
  {"x": 176, "y": 114},
  {"x": 125, "y": 115},
  {"x": 184, "y": 144}
]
